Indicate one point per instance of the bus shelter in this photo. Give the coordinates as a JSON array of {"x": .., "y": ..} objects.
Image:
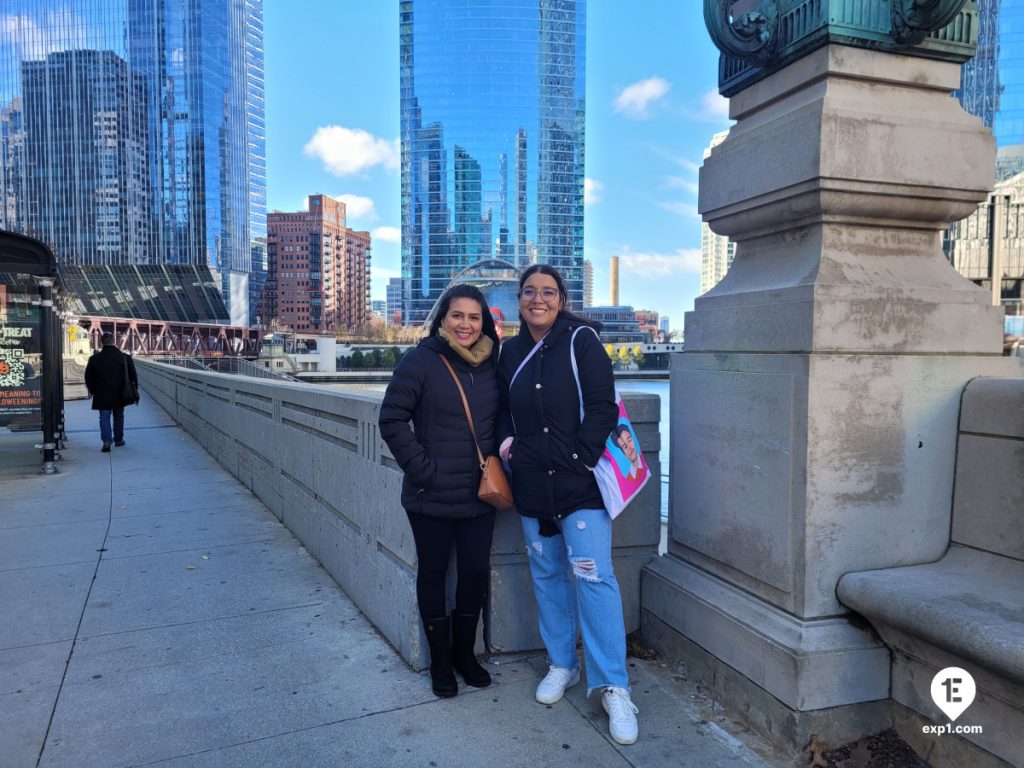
[{"x": 31, "y": 380}]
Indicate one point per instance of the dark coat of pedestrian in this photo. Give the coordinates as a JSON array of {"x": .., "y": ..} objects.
[{"x": 104, "y": 378}]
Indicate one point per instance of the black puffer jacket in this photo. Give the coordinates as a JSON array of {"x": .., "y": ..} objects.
[
  {"x": 552, "y": 450},
  {"x": 442, "y": 472},
  {"x": 104, "y": 378}
]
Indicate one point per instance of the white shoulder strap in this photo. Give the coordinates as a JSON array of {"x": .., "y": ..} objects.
[
  {"x": 522, "y": 365},
  {"x": 526, "y": 359},
  {"x": 575, "y": 370}
]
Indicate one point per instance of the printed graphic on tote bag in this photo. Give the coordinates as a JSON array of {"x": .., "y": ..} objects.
[
  {"x": 622, "y": 470},
  {"x": 623, "y": 449}
]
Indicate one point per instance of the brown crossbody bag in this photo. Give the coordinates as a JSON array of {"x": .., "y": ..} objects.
[{"x": 494, "y": 488}]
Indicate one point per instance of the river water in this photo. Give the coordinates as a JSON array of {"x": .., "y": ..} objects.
[{"x": 658, "y": 387}]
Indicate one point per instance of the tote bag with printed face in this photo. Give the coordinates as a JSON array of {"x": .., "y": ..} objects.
[{"x": 622, "y": 471}]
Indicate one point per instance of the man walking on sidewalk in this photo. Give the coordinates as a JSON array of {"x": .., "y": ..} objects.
[{"x": 105, "y": 380}]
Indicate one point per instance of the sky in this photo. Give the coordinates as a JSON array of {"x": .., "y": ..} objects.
[{"x": 652, "y": 105}]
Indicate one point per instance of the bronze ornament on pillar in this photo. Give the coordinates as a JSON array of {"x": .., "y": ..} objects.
[
  {"x": 914, "y": 20},
  {"x": 751, "y": 36},
  {"x": 759, "y": 37}
]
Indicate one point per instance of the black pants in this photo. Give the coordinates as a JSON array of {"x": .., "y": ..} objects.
[{"x": 434, "y": 537}]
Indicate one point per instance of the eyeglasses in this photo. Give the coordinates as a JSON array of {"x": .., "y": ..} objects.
[{"x": 548, "y": 294}]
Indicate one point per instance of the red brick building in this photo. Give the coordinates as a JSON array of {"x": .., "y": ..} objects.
[
  {"x": 648, "y": 320},
  {"x": 318, "y": 270}
]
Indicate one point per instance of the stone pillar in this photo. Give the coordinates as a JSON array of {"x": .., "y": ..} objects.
[{"x": 815, "y": 408}]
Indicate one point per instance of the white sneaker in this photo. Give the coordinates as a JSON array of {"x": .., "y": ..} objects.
[
  {"x": 552, "y": 687},
  {"x": 621, "y": 714}
]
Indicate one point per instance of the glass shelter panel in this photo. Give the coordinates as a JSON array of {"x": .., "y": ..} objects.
[{"x": 21, "y": 354}]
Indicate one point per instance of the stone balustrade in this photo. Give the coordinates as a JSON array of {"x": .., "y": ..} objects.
[{"x": 314, "y": 456}]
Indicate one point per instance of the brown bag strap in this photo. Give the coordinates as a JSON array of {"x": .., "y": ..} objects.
[{"x": 465, "y": 404}]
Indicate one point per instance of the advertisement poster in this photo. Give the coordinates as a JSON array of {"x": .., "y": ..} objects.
[{"x": 21, "y": 359}]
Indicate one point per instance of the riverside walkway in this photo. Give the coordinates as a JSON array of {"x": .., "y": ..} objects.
[{"x": 156, "y": 613}]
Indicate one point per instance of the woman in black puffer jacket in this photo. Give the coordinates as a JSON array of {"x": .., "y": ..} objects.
[{"x": 442, "y": 474}]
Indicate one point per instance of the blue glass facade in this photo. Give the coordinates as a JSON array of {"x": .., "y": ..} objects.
[
  {"x": 132, "y": 132},
  {"x": 492, "y": 126},
  {"x": 256, "y": 165},
  {"x": 993, "y": 81},
  {"x": 1009, "y": 121},
  {"x": 993, "y": 89}
]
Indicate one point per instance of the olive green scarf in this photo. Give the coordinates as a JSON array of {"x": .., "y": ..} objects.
[{"x": 480, "y": 351}]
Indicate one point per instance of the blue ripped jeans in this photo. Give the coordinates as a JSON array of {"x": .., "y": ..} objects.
[{"x": 593, "y": 603}]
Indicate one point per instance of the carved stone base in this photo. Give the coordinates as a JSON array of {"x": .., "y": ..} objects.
[
  {"x": 808, "y": 664},
  {"x": 779, "y": 722}
]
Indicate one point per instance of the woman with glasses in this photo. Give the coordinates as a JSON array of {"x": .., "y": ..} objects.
[
  {"x": 551, "y": 453},
  {"x": 442, "y": 474}
]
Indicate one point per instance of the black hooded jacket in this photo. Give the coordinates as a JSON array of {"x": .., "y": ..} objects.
[
  {"x": 553, "y": 451},
  {"x": 442, "y": 471}
]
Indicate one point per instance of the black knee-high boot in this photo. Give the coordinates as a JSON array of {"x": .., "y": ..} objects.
[
  {"x": 439, "y": 640},
  {"x": 463, "y": 658}
]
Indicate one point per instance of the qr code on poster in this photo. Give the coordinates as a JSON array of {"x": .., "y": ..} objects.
[{"x": 12, "y": 368}]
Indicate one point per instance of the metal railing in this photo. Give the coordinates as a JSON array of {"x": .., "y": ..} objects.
[
  {"x": 183, "y": 361},
  {"x": 235, "y": 365},
  {"x": 243, "y": 367}
]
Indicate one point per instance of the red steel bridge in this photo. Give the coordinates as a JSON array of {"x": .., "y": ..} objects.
[{"x": 158, "y": 337}]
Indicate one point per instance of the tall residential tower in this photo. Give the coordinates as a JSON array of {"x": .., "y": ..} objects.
[
  {"x": 318, "y": 278},
  {"x": 993, "y": 81},
  {"x": 588, "y": 283},
  {"x": 993, "y": 89},
  {"x": 492, "y": 102},
  {"x": 131, "y": 133},
  {"x": 716, "y": 251}
]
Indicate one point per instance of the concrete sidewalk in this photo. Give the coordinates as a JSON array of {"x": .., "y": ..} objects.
[{"x": 155, "y": 613}]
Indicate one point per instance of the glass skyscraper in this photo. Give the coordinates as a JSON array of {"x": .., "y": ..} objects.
[
  {"x": 992, "y": 238},
  {"x": 132, "y": 133},
  {"x": 993, "y": 81},
  {"x": 492, "y": 103}
]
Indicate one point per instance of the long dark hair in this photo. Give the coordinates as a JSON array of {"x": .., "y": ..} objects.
[
  {"x": 463, "y": 291},
  {"x": 563, "y": 293}
]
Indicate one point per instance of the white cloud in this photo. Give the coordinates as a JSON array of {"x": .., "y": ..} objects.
[
  {"x": 636, "y": 98},
  {"x": 714, "y": 107},
  {"x": 13, "y": 29},
  {"x": 591, "y": 191},
  {"x": 387, "y": 234},
  {"x": 680, "y": 208},
  {"x": 683, "y": 260},
  {"x": 680, "y": 182},
  {"x": 689, "y": 165},
  {"x": 685, "y": 163},
  {"x": 34, "y": 38},
  {"x": 357, "y": 207},
  {"x": 345, "y": 151}
]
